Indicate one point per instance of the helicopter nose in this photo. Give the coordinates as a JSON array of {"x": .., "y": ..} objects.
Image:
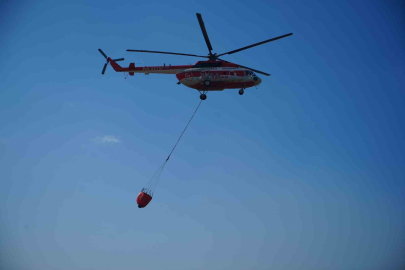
[{"x": 257, "y": 80}]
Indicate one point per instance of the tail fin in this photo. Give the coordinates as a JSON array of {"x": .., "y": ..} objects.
[
  {"x": 115, "y": 66},
  {"x": 131, "y": 67}
]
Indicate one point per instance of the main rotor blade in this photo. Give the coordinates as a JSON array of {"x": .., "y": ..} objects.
[
  {"x": 207, "y": 40},
  {"x": 258, "y": 71},
  {"x": 116, "y": 60},
  {"x": 256, "y": 44},
  {"x": 105, "y": 66},
  {"x": 102, "y": 53},
  {"x": 185, "y": 54}
]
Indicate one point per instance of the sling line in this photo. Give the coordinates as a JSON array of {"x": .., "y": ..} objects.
[
  {"x": 184, "y": 130},
  {"x": 150, "y": 187}
]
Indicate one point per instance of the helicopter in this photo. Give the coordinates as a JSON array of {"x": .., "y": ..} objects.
[{"x": 213, "y": 74}]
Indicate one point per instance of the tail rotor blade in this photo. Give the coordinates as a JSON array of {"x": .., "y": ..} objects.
[
  {"x": 105, "y": 66},
  {"x": 105, "y": 56},
  {"x": 108, "y": 60}
]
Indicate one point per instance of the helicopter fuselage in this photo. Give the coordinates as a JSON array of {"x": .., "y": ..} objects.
[
  {"x": 218, "y": 79},
  {"x": 203, "y": 76}
]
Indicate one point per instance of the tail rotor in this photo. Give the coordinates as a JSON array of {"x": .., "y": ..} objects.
[{"x": 108, "y": 60}]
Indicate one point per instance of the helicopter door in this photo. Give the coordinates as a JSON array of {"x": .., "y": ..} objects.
[
  {"x": 205, "y": 75},
  {"x": 189, "y": 76}
]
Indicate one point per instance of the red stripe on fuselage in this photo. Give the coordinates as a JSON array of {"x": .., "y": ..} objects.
[{"x": 156, "y": 69}]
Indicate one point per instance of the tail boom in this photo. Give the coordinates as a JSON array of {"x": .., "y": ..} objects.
[{"x": 148, "y": 69}]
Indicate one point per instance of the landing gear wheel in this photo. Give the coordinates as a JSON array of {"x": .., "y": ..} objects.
[
  {"x": 241, "y": 92},
  {"x": 207, "y": 83},
  {"x": 203, "y": 96}
]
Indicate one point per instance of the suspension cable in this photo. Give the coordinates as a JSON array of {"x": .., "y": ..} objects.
[
  {"x": 150, "y": 187},
  {"x": 184, "y": 130}
]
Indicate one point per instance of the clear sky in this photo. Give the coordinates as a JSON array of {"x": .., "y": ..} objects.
[{"x": 305, "y": 172}]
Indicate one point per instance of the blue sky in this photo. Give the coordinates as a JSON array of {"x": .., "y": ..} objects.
[{"x": 305, "y": 172}]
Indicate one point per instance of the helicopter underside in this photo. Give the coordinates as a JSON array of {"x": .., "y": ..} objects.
[{"x": 219, "y": 86}]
